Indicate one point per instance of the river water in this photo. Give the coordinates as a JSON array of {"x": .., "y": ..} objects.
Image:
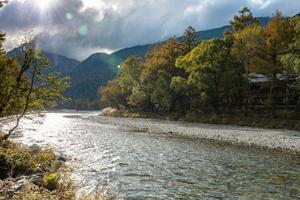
[{"x": 137, "y": 165}]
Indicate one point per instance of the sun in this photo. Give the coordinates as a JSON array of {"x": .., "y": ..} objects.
[{"x": 44, "y": 5}]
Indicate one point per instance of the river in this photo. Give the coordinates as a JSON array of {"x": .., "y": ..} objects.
[{"x": 138, "y": 165}]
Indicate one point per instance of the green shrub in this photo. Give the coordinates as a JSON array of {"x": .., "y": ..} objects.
[
  {"x": 45, "y": 159},
  {"x": 20, "y": 162},
  {"x": 50, "y": 181}
]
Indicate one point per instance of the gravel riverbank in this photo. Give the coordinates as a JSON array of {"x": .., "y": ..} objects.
[{"x": 284, "y": 140}]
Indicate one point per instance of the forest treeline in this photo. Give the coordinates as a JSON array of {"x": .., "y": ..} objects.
[{"x": 252, "y": 70}]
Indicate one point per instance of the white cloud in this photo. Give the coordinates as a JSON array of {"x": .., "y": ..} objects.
[
  {"x": 76, "y": 28},
  {"x": 261, "y": 3}
]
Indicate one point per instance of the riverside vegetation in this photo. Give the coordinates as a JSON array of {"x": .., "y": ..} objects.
[
  {"x": 250, "y": 77},
  {"x": 29, "y": 173}
]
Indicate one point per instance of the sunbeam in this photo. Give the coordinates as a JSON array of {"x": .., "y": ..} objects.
[{"x": 44, "y": 5}]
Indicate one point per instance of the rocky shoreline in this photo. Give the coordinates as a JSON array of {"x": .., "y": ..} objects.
[{"x": 283, "y": 140}]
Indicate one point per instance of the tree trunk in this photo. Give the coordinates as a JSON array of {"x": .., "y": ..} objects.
[
  {"x": 247, "y": 92},
  {"x": 271, "y": 98},
  {"x": 287, "y": 93}
]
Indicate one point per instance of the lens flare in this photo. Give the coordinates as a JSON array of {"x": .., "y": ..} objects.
[
  {"x": 69, "y": 16},
  {"x": 83, "y": 30}
]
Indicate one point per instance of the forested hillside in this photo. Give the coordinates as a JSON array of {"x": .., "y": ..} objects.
[{"x": 253, "y": 69}]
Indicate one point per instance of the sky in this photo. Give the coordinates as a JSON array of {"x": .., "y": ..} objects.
[{"x": 78, "y": 28}]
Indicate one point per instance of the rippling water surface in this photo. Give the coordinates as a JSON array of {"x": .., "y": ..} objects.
[{"x": 143, "y": 166}]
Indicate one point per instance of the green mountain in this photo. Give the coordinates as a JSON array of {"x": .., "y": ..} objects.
[
  {"x": 58, "y": 63},
  {"x": 218, "y": 32},
  {"x": 89, "y": 75},
  {"x": 123, "y": 54},
  {"x": 61, "y": 64}
]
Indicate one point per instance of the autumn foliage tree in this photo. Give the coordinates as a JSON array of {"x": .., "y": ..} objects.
[
  {"x": 120, "y": 92},
  {"x": 244, "y": 53},
  {"x": 159, "y": 70},
  {"x": 190, "y": 38},
  {"x": 210, "y": 71},
  {"x": 275, "y": 42}
]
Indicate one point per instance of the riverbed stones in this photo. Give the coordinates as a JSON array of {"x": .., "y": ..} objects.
[{"x": 273, "y": 139}]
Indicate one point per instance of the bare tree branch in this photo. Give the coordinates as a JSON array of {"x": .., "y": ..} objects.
[{"x": 26, "y": 53}]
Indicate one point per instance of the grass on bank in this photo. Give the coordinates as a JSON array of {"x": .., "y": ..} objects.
[{"x": 55, "y": 182}]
